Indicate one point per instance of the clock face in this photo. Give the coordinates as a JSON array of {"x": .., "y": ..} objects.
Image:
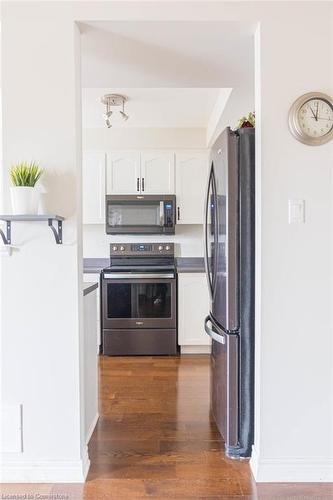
[
  {"x": 311, "y": 118},
  {"x": 315, "y": 118}
]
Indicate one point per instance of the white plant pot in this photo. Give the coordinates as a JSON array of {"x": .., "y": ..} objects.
[{"x": 24, "y": 200}]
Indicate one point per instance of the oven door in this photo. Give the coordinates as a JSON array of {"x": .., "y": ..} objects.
[{"x": 134, "y": 300}]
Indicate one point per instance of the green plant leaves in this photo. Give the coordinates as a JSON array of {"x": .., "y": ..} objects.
[
  {"x": 25, "y": 174},
  {"x": 248, "y": 121}
]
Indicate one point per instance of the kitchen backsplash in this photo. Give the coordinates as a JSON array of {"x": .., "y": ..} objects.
[{"x": 189, "y": 240}]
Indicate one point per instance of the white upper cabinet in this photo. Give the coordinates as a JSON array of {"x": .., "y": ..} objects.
[
  {"x": 191, "y": 181},
  {"x": 149, "y": 172},
  {"x": 123, "y": 172},
  {"x": 157, "y": 172},
  {"x": 183, "y": 173},
  {"x": 93, "y": 187}
]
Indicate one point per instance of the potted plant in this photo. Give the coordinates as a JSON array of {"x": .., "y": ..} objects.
[
  {"x": 24, "y": 195},
  {"x": 248, "y": 121}
]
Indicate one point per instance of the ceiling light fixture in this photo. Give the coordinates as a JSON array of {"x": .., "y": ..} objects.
[{"x": 114, "y": 100}]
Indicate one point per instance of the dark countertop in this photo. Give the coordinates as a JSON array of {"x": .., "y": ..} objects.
[
  {"x": 93, "y": 265},
  {"x": 190, "y": 265},
  {"x": 89, "y": 287},
  {"x": 184, "y": 265}
]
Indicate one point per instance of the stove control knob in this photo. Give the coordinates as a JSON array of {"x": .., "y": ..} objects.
[
  {"x": 160, "y": 248},
  {"x": 167, "y": 247},
  {"x": 122, "y": 248},
  {"x": 114, "y": 248}
]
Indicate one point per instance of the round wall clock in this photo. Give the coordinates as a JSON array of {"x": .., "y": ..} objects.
[{"x": 311, "y": 118}]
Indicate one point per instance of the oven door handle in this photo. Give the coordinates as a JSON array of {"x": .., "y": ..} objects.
[{"x": 138, "y": 275}]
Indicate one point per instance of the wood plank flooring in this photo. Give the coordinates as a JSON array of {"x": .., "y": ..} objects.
[{"x": 156, "y": 439}]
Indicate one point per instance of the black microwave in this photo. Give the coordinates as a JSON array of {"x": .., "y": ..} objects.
[{"x": 140, "y": 214}]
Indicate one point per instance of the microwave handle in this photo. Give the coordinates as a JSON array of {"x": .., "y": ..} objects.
[{"x": 161, "y": 213}]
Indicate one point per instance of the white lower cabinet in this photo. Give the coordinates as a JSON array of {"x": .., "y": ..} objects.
[
  {"x": 95, "y": 278},
  {"x": 90, "y": 364},
  {"x": 193, "y": 307}
]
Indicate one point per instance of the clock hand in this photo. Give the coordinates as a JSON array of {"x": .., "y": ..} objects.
[
  {"x": 323, "y": 118},
  {"x": 317, "y": 110},
  {"x": 314, "y": 116}
]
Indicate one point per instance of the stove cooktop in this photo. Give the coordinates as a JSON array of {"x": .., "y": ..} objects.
[{"x": 141, "y": 257}]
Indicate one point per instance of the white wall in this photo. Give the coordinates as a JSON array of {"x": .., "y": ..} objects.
[
  {"x": 188, "y": 240},
  {"x": 41, "y": 292},
  {"x": 143, "y": 138},
  {"x": 240, "y": 103},
  {"x": 294, "y": 425},
  {"x": 294, "y": 384}
]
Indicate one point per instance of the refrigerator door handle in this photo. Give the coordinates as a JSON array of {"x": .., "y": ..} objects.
[
  {"x": 211, "y": 183},
  {"x": 205, "y": 238},
  {"x": 210, "y": 332}
]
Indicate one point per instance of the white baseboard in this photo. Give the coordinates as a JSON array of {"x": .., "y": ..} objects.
[
  {"x": 92, "y": 428},
  {"x": 195, "y": 349},
  {"x": 293, "y": 470},
  {"x": 85, "y": 463},
  {"x": 47, "y": 471},
  {"x": 254, "y": 463}
]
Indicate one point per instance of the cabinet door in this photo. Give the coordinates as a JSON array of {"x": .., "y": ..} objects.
[
  {"x": 123, "y": 172},
  {"x": 93, "y": 187},
  {"x": 191, "y": 180},
  {"x": 193, "y": 307},
  {"x": 158, "y": 172}
]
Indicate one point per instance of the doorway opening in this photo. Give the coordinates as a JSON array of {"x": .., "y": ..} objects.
[{"x": 155, "y": 431}]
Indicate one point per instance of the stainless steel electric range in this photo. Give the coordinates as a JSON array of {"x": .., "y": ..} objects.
[{"x": 139, "y": 303}]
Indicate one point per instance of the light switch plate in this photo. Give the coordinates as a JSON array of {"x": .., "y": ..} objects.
[{"x": 296, "y": 211}]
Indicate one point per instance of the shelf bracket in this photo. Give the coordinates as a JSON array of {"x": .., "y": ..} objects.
[
  {"x": 57, "y": 233},
  {"x": 6, "y": 238}
]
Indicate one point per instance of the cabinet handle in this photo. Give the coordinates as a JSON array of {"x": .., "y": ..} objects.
[
  {"x": 143, "y": 183},
  {"x": 138, "y": 184},
  {"x": 178, "y": 213}
]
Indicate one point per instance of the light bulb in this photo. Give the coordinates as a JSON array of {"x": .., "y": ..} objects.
[
  {"x": 107, "y": 115},
  {"x": 124, "y": 115}
]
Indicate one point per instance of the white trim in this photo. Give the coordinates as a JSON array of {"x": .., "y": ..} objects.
[
  {"x": 47, "y": 471},
  {"x": 92, "y": 428},
  {"x": 258, "y": 382},
  {"x": 85, "y": 464},
  {"x": 285, "y": 469},
  {"x": 217, "y": 113},
  {"x": 254, "y": 462},
  {"x": 195, "y": 349}
]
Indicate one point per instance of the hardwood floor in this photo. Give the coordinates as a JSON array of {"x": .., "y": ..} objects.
[{"x": 155, "y": 439}]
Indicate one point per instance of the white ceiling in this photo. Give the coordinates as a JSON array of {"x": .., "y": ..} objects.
[
  {"x": 173, "y": 72},
  {"x": 161, "y": 107},
  {"x": 166, "y": 54}
]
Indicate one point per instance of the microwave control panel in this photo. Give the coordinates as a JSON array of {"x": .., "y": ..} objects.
[{"x": 169, "y": 213}]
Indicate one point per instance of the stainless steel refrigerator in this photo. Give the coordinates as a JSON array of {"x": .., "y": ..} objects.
[{"x": 230, "y": 262}]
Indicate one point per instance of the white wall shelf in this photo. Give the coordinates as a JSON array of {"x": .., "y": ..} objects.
[{"x": 7, "y": 238}]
